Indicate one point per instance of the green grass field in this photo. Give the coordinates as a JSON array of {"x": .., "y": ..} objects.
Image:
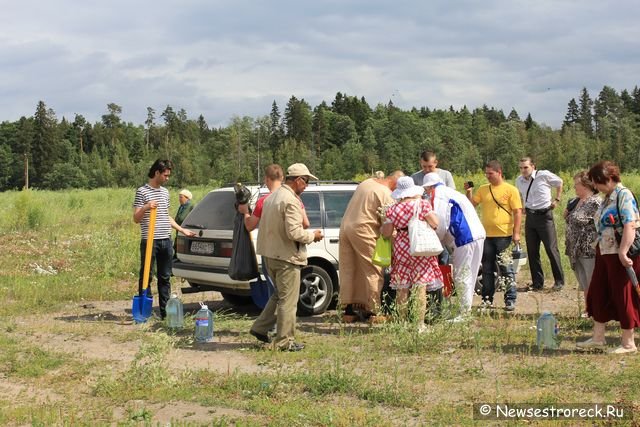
[{"x": 69, "y": 354}]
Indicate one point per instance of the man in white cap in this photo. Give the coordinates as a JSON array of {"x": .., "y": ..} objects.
[
  {"x": 282, "y": 242},
  {"x": 459, "y": 227}
]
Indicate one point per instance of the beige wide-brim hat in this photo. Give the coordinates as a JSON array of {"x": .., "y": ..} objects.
[
  {"x": 405, "y": 187},
  {"x": 299, "y": 169},
  {"x": 432, "y": 178},
  {"x": 186, "y": 193}
]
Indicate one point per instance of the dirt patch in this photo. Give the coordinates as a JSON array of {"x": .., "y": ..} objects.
[
  {"x": 223, "y": 355},
  {"x": 11, "y": 390},
  {"x": 104, "y": 331},
  {"x": 183, "y": 412}
]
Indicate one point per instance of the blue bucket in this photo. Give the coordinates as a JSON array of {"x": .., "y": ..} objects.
[{"x": 261, "y": 291}]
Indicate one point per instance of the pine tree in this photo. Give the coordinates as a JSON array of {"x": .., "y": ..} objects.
[
  {"x": 43, "y": 150},
  {"x": 528, "y": 122},
  {"x": 297, "y": 119},
  {"x": 149, "y": 123},
  {"x": 276, "y": 131},
  {"x": 573, "y": 113},
  {"x": 585, "y": 114}
]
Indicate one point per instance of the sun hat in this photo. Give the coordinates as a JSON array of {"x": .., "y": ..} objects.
[
  {"x": 405, "y": 187},
  {"x": 299, "y": 169},
  {"x": 186, "y": 193},
  {"x": 432, "y": 178}
]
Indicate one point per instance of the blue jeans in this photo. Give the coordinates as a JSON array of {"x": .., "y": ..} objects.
[
  {"x": 492, "y": 248},
  {"x": 161, "y": 255}
]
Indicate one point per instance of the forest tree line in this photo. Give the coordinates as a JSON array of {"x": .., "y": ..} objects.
[{"x": 340, "y": 141}]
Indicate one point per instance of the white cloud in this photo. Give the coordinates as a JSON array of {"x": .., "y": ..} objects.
[{"x": 222, "y": 59}]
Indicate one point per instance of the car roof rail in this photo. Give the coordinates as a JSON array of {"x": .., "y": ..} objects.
[
  {"x": 332, "y": 182},
  {"x": 246, "y": 184},
  {"x": 323, "y": 182}
]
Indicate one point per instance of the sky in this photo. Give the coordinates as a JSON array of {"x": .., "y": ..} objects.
[{"x": 234, "y": 58}]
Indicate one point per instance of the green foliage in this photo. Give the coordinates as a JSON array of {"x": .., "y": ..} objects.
[
  {"x": 27, "y": 212},
  {"x": 338, "y": 141},
  {"x": 63, "y": 176}
]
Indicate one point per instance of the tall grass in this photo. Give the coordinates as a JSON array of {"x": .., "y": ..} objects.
[
  {"x": 86, "y": 238},
  {"x": 364, "y": 375}
]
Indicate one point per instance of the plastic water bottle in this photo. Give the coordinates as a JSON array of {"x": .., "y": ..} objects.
[
  {"x": 547, "y": 331},
  {"x": 204, "y": 324},
  {"x": 175, "y": 314}
]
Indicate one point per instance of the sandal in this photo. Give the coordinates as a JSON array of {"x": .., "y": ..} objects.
[
  {"x": 623, "y": 350},
  {"x": 590, "y": 344}
]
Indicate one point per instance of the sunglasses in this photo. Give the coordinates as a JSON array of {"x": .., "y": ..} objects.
[{"x": 304, "y": 179}]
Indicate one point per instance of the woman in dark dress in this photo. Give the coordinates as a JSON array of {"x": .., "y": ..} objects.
[{"x": 611, "y": 295}]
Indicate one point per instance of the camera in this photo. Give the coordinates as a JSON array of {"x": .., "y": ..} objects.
[{"x": 469, "y": 184}]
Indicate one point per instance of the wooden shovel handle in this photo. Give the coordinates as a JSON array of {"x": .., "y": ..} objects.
[{"x": 149, "y": 249}]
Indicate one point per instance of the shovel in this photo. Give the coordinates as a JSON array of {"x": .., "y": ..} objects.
[{"x": 142, "y": 303}]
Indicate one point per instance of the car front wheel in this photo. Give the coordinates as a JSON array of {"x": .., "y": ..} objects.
[{"x": 316, "y": 291}]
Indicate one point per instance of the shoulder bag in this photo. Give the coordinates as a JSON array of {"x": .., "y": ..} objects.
[
  {"x": 422, "y": 238},
  {"x": 634, "y": 249},
  {"x": 498, "y": 203}
]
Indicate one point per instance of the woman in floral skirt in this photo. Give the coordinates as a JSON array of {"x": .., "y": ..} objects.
[{"x": 419, "y": 274}]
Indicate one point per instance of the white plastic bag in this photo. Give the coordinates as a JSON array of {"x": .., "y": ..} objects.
[{"x": 422, "y": 238}]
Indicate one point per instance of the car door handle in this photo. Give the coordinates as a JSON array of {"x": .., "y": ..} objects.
[{"x": 334, "y": 240}]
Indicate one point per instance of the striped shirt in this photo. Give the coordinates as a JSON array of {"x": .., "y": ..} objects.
[{"x": 145, "y": 194}]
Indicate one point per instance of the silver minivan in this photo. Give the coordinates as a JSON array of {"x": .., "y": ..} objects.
[{"x": 204, "y": 260}]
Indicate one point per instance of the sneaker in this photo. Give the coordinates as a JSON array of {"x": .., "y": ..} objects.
[
  {"x": 486, "y": 304},
  {"x": 590, "y": 344},
  {"x": 510, "y": 305},
  {"x": 293, "y": 346},
  {"x": 557, "y": 287},
  {"x": 623, "y": 350},
  {"x": 460, "y": 319},
  {"x": 260, "y": 337},
  {"x": 422, "y": 328}
]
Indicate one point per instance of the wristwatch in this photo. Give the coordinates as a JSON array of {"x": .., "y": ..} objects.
[{"x": 556, "y": 199}]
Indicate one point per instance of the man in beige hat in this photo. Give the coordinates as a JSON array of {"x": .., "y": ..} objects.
[{"x": 282, "y": 242}]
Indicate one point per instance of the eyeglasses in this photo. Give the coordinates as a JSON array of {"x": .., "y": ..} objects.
[{"x": 304, "y": 179}]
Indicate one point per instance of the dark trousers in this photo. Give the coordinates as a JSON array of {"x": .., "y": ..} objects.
[
  {"x": 541, "y": 228},
  {"x": 161, "y": 263},
  {"x": 493, "y": 246},
  {"x": 434, "y": 304}
]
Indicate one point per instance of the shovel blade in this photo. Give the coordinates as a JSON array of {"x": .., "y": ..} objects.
[{"x": 141, "y": 307}]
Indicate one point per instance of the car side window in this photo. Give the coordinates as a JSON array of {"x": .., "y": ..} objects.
[
  {"x": 311, "y": 203},
  {"x": 335, "y": 203}
]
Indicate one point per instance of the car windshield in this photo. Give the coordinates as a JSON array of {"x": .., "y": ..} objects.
[{"x": 215, "y": 212}]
